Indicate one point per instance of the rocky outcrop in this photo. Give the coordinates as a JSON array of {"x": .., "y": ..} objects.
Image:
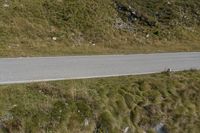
[{"x": 133, "y": 15}]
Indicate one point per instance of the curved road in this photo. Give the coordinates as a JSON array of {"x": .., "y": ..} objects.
[{"x": 23, "y": 70}]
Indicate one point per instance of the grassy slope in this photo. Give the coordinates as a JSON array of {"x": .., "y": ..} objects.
[
  {"x": 137, "y": 102},
  {"x": 27, "y": 27}
]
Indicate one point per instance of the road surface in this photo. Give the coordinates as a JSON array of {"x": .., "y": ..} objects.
[{"x": 24, "y": 70}]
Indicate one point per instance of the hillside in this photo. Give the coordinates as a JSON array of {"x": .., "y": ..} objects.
[
  {"x": 62, "y": 27},
  {"x": 157, "y": 103}
]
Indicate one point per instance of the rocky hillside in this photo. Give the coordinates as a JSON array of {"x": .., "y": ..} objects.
[{"x": 43, "y": 27}]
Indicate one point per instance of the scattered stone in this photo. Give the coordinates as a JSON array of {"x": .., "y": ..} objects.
[
  {"x": 14, "y": 45},
  {"x": 40, "y": 91},
  {"x": 6, "y": 117},
  {"x": 77, "y": 38},
  {"x": 169, "y": 3},
  {"x": 86, "y": 122},
  {"x": 6, "y": 5},
  {"x": 160, "y": 128},
  {"x": 126, "y": 130},
  {"x": 92, "y": 43},
  {"x": 147, "y": 36},
  {"x": 131, "y": 14},
  {"x": 54, "y": 38},
  {"x": 120, "y": 24},
  {"x": 169, "y": 70},
  {"x": 15, "y": 105}
]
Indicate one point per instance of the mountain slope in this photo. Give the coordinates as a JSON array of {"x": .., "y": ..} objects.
[{"x": 55, "y": 27}]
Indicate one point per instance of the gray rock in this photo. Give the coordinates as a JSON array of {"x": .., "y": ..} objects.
[
  {"x": 126, "y": 130},
  {"x": 6, "y": 5},
  {"x": 86, "y": 122},
  {"x": 160, "y": 128}
]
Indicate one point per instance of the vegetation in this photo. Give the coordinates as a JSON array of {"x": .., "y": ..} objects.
[
  {"x": 61, "y": 27},
  {"x": 168, "y": 101}
]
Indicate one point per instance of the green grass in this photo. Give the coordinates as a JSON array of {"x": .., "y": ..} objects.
[
  {"x": 27, "y": 27},
  {"x": 104, "y": 104}
]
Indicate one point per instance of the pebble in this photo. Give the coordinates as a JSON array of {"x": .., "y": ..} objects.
[
  {"x": 54, "y": 38},
  {"x": 14, "y": 105},
  {"x": 160, "y": 128},
  {"x": 169, "y": 3},
  {"x": 5, "y": 5},
  {"x": 126, "y": 130},
  {"x": 86, "y": 122}
]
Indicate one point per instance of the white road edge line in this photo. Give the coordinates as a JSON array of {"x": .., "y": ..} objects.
[{"x": 87, "y": 77}]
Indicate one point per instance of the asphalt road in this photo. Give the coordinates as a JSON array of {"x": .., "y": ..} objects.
[{"x": 23, "y": 70}]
